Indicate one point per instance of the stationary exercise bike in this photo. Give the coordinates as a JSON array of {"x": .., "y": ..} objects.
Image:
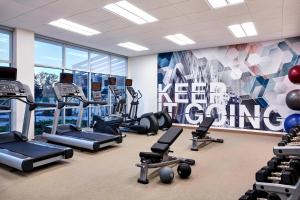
[
  {"x": 145, "y": 124},
  {"x": 107, "y": 124},
  {"x": 163, "y": 117}
]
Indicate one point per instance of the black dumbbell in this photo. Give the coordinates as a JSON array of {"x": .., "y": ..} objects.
[
  {"x": 290, "y": 138},
  {"x": 285, "y": 143},
  {"x": 253, "y": 195},
  {"x": 286, "y": 176},
  {"x": 273, "y": 197},
  {"x": 277, "y": 163}
]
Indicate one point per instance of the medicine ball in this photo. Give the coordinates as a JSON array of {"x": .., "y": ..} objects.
[
  {"x": 291, "y": 122},
  {"x": 294, "y": 74},
  {"x": 184, "y": 170},
  {"x": 293, "y": 99},
  {"x": 166, "y": 175}
]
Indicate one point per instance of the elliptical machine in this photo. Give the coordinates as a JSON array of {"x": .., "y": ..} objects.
[
  {"x": 108, "y": 124},
  {"x": 163, "y": 117},
  {"x": 145, "y": 124}
]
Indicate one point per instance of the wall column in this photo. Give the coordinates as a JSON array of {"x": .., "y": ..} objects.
[{"x": 24, "y": 62}]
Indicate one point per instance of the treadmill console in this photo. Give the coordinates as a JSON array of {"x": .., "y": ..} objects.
[{"x": 10, "y": 89}]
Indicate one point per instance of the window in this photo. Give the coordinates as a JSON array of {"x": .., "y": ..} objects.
[
  {"x": 77, "y": 59},
  {"x": 118, "y": 66},
  {"x": 5, "y": 61},
  {"x": 99, "y": 63},
  {"x": 48, "y": 54},
  {"x": 87, "y": 66},
  {"x": 44, "y": 79},
  {"x": 5, "y": 48}
]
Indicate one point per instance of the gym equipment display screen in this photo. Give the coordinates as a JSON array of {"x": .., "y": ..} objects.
[
  {"x": 66, "y": 78},
  {"x": 112, "y": 81},
  {"x": 96, "y": 86},
  {"x": 128, "y": 82},
  {"x": 8, "y": 73}
]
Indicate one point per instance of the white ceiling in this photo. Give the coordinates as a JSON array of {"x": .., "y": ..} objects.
[{"x": 274, "y": 19}]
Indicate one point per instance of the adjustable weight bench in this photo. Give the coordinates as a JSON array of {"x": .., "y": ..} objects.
[
  {"x": 200, "y": 137},
  {"x": 159, "y": 155}
]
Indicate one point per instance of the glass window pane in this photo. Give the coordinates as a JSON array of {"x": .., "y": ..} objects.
[
  {"x": 77, "y": 59},
  {"x": 72, "y": 116},
  {"x": 4, "y": 46},
  {"x": 118, "y": 66},
  {"x": 81, "y": 79},
  {"x": 44, "y": 79},
  {"x": 103, "y": 79},
  {"x": 48, "y": 54},
  {"x": 42, "y": 118},
  {"x": 100, "y": 111},
  {"x": 4, "y": 122},
  {"x": 99, "y": 63}
]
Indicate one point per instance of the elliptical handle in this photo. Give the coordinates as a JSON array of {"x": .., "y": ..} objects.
[{"x": 140, "y": 94}]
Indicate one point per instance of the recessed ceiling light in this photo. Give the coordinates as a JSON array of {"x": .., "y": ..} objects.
[
  {"x": 223, "y": 3},
  {"x": 180, "y": 39},
  {"x": 243, "y": 30},
  {"x": 130, "y": 12},
  {"x": 74, "y": 27},
  {"x": 237, "y": 30},
  {"x": 133, "y": 46},
  {"x": 249, "y": 28}
]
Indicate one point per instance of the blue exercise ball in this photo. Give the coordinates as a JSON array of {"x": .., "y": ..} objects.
[
  {"x": 166, "y": 175},
  {"x": 291, "y": 122}
]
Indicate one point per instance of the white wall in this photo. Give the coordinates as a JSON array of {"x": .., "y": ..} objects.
[
  {"x": 24, "y": 62},
  {"x": 143, "y": 71}
]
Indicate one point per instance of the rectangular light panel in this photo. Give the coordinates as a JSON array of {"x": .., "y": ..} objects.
[
  {"x": 237, "y": 30},
  {"x": 246, "y": 29},
  {"x": 74, "y": 27},
  {"x": 249, "y": 28},
  {"x": 223, "y": 3},
  {"x": 179, "y": 39},
  {"x": 133, "y": 46},
  {"x": 130, "y": 12}
]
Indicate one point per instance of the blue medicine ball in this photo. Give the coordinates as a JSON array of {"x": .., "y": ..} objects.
[{"x": 291, "y": 122}]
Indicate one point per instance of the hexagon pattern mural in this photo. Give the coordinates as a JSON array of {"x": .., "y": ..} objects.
[{"x": 242, "y": 86}]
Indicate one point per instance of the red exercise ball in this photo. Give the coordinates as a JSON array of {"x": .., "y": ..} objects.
[{"x": 294, "y": 74}]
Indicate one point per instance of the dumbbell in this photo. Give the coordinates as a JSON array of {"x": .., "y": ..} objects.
[
  {"x": 286, "y": 143},
  {"x": 290, "y": 138},
  {"x": 294, "y": 131},
  {"x": 284, "y": 163},
  {"x": 286, "y": 176},
  {"x": 253, "y": 195}
]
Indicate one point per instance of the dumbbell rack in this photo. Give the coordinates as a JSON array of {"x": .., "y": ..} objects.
[{"x": 285, "y": 192}]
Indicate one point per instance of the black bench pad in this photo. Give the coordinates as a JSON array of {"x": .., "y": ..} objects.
[
  {"x": 151, "y": 155},
  {"x": 170, "y": 136},
  {"x": 159, "y": 147}
]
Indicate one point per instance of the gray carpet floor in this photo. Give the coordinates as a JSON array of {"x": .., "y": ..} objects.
[{"x": 222, "y": 172}]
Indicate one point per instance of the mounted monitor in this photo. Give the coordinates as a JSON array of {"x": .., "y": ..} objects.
[
  {"x": 128, "y": 82},
  {"x": 96, "y": 86},
  {"x": 8, "y": 73},
  {"x": 66, "y": 78},
  {"x": 112, "y": 81}
]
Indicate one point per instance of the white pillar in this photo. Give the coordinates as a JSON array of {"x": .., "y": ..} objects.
[
  {"x": 143, "y": 71},
  {"x": 24, "y": 62}
]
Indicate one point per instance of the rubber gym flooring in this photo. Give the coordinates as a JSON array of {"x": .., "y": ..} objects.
[{"x": 222, "y": 172}]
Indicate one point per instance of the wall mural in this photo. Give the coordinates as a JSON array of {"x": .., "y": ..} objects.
[{"x": 242, "y": 86}]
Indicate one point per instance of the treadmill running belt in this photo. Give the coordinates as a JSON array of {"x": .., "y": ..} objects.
[
  {"x": 37, "y": 152},
  {"x": 101, "y": 138}
]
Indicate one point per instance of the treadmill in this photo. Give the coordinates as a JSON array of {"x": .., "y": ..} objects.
[
  {"x": 16, "y": 150},
  {"x": 73, "y": 135}
]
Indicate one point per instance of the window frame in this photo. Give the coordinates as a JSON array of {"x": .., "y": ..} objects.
[
  {"x": 64, "y": 68},
  {"x": 9, "y": 32}
]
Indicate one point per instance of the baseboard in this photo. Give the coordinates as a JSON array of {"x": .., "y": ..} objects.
[{"x": 235, "y": 130}]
